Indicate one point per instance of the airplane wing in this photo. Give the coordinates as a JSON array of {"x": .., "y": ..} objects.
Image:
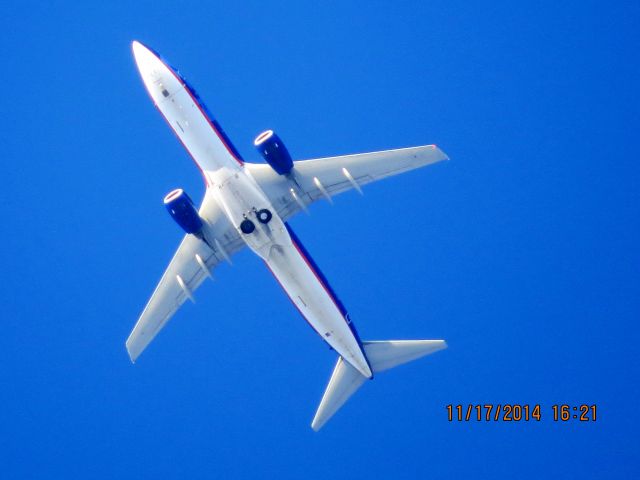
[
  {"x": 191, "y": 264},
  {"x": 325, "y": 177}
]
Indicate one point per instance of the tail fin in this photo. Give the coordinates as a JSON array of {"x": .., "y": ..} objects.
[{"x": 382, "y": 355}]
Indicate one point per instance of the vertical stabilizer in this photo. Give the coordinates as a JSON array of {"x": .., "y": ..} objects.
[{"x": 382, "y": 355}]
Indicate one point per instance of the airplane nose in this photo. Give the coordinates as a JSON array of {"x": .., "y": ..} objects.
[
  {"x": 149, "y": 65},
  {"x": 140, "y": 52},
  {"x": 158, "y": 78}
]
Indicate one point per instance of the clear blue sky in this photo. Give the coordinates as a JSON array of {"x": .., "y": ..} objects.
[{"x": 522, "y": 252}]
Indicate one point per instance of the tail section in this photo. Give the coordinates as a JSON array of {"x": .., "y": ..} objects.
[{"x": 382, "y": 355}]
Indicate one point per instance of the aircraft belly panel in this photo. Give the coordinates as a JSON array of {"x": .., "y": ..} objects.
[
  {"x": 241, "y": 199},
  {"x": 194, "y": 131},
  {"x": 314, "y": 303}
]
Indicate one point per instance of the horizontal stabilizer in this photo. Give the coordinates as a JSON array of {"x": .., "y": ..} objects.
[
  {"x": 391, "y": 353},
  {"x": 382, "y": 355},
  {"x": 344, "y": 382}
]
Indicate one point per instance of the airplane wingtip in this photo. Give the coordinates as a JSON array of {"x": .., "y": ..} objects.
[
  {"x": 316, "y": 425},
  {"x": 132, "y": 356}
]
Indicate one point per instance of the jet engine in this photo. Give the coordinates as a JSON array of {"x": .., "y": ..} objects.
[
  {"x": 182, "y": 210},
  {"x": 274, "y": 152}
]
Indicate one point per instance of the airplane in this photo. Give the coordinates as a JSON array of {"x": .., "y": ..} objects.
[{"x": 248, "y": 205}]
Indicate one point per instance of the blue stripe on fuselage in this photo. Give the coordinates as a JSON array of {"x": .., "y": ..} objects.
[
  {"x": 327, "y": 287},
  {"x": 198, "y": 100},
  {"x": 212, "y": 120}
]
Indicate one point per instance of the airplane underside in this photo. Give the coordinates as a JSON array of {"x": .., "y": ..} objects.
[{"x": 248, "y": 204}]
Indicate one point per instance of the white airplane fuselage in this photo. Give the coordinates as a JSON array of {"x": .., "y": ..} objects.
[{"x": 240, "y": 197}]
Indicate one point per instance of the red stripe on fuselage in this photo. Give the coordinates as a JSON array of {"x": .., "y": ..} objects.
[
  {"x": 206, "y": 117},
  {"x": 206, "y": 180},
  {"x": 331, "y": 295},
  {"x": 294, "y": 303},
  {"x": 306, "y": 260}
]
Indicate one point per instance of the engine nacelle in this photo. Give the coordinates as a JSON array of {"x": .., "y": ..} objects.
[
  {"x": 183, "y": 211},
  {"x": 274, "y": 152}
]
